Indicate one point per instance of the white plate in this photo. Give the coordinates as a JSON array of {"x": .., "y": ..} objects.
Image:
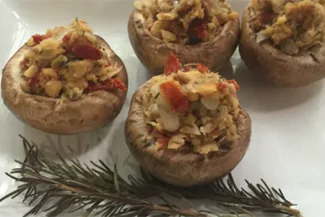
[{"x": 288, "y": 140}]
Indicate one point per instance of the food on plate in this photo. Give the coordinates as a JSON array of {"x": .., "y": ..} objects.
[
  {"x": 205, "y": 31},
  {"x": 186, "y": 126},
  {"x": 65, "y": 81},
  {"x": 283, "y": 41}
]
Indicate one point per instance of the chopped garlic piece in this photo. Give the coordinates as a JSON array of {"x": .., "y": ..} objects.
[
  {"x": 234, "y": 15},
  {"x": 167, "y": 16},
  {"x": 209, "y": 147},
  {"x": 176, "y": 142},
  {"x": 50, "y": 73},
  {"x": 138, "y": 5},
  {"x": 169, "y": 119},
  {"x": 31, "y": 71},
  {"x": 207, "y": 88},
  {"x": 208, "y": 128},
  {"x": 168, "y": 36},
  {"x": 90, "y": 37},
  {"x": 53, "y": 88},
  {"x": 211, "y": 102}
]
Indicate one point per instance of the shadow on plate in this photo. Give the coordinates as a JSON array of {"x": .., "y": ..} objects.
[
  {"x": 65, "y": 145},
  {"x": 256, "y": 94},
  {"x": 226, "y": 71},
  {"x": 126, "y": 163}
]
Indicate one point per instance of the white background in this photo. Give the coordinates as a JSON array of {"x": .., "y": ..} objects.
[{"x": 287, "y": 144}]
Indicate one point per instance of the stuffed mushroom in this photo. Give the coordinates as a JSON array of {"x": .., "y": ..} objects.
[
  {"x": 186, "y": 126},
  {"x": 203, "y": 31},
  {"x": 66, "y": 81},
  {"x": 283, "y": 41}
]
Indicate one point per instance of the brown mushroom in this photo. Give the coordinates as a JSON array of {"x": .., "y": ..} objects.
[
  {"x": 153, "y": 52},
  {"x": 276, "y": 67},
  {"x": 182, "y": 167},
  {"x": 54, "y": 115}
]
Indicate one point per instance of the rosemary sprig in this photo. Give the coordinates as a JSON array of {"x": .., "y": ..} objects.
[{"x": 101, "y": 190}]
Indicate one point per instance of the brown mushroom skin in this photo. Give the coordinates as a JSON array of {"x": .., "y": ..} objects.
[
  {"x": 153, "y": 52},
  {"x": 275, "y": 67},
  {"x": 176, "y": 167},
  {"x": 91, "y": 111}
]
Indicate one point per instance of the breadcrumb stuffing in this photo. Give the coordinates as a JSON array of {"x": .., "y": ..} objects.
[
  {"x": 185, "y": 21},
  {"x": 292, "y": 26}
]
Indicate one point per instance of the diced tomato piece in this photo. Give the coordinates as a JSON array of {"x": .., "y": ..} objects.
[
  {"x": 106, "y": 85},
  {"x": 109, "y": 84},
  {"x": 202, "y": 68},
  {"x": 267, "y": 17},
  {"x": 37, "y": 38},
  {"x": 66, "y": 38},
  {"x": 178, "y": 101},
  {"x": 117, "y": 83},
  {"x": 86, "y": 51},
  {"x": 108, "y": 64},
  {"x": 187, "y": 68},
  {"x": 47, "y": 35},
  {"x": 234, "y": 83},
  {"x": 198, "y": 28},
  {"x": 23, "y": 63},
  {"x": 149, "y": 27},
  {"x": 150, "y": 129},
  {"x": 162, "y": 140},
  {"x": 220, "y": 86},
  {"x": 96, "y": 87},
  {"x": 172, "y": 64},
  {"x": 33, "y": 84}
]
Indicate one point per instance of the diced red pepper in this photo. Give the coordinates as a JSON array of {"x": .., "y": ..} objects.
[
  {"x": 23, "y": 63},
  {"x": 172, "y": 64},
  {"x": 96, "y": 87},
  {"x": 109, "y": 84},
  {"x": 37, "y": 38},
  {"x": 86, "y": 51},
  {"x": 150, "y": 129},
  {"x": 267, "y": 17},
  {"x": 108, "y": 63},
  {"x": 66, "y": 38},
  {"x": 198, "y": 28},
  {"x": 234, "y": 83},
  {"x": 149, "y": 27},
  {"x": 118, "y": 84},
  {"x": 202, "y": 68},
  {"x": 187, "y": 68},
  {"x": 178, "y": 101},
  {"x": 162, "y": 140},
  {"x": 33, "y": 85},
  {"x": 47, "y": 35},
  {"x": 220, "y": 86}
]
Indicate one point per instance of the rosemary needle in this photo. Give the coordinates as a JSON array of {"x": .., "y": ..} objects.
[{"x": 102, "y": 191}]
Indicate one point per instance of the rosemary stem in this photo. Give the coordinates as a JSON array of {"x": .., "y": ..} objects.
[
  {"x": 103, "y": 191},
  {"x": 290, "y": 210}
]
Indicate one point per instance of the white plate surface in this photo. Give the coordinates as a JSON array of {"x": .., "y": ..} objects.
[{"x": 288, "y": 140}]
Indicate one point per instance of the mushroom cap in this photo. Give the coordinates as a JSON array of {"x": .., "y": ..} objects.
[
  {"x": 276, "y": 67},
  {"x": 176, "y": 167},
  {"x": 153, "y": 52},
  {"x": 91, "y": 111}
]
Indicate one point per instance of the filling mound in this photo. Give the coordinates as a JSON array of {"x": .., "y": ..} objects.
[
  {"x": 67, "y": 62},
  {"x": 192, "y": 109},
  {"x": 293, "y": 26},
  {"x": 185, "y": 21}
]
